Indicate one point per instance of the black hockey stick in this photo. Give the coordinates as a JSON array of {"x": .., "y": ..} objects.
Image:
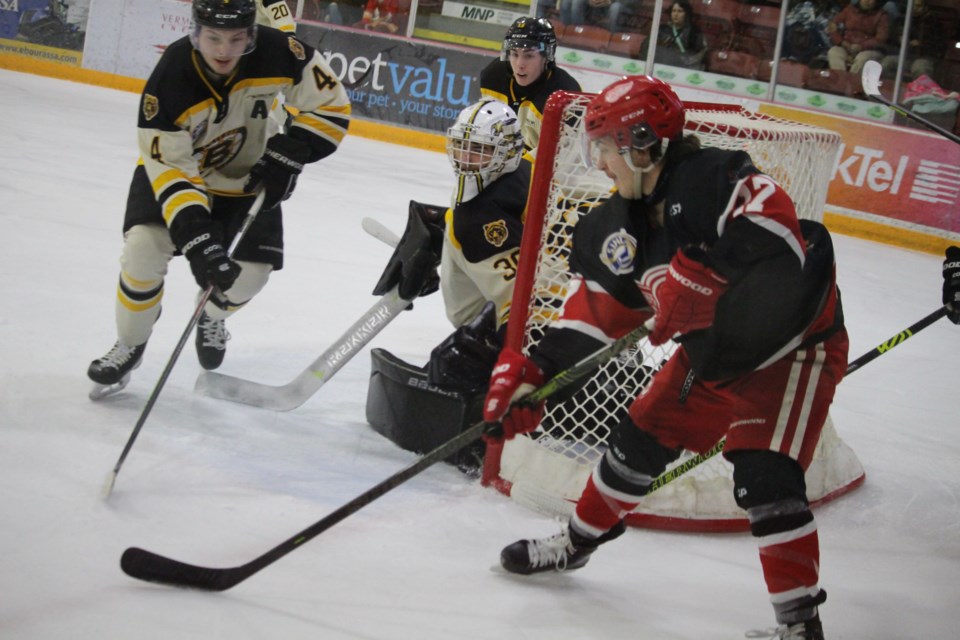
[
  {"x": 870, "y": 79},
  {"x": 145, "y": 565},
  {"x": 112, "y": 476},
  {"x": 893, "y": 341}
]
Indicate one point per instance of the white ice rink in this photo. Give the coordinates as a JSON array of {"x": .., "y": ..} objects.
[{"x": 218, "y": 484}]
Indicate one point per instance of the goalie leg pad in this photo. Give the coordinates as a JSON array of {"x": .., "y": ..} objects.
[{"x": 418, "y": 416}]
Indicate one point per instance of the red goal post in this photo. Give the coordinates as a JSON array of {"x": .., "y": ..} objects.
[{"x": 547, "y": 470}]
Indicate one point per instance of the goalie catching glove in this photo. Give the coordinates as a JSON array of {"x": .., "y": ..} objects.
[
  {"x": 277, "y": 169},
  {"x": 951, "y": 284},
  {"x": 202, "y": 244},
  {"x": 514, "y": 377},
  {"x": 413, "y": 265},
  {"x": 683, "y": 296}
]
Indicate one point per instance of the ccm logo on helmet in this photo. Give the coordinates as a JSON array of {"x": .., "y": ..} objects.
[
  {"x": 688, "y": 283},
  {"x": 631, "y": 115}
]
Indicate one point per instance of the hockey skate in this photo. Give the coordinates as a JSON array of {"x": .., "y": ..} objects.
[
  {"x": 564, "y": 551},
  {"x": 212, "y": 339},
  {"x": 806, "y": 630},
  {"x": 111, "y": 373}
]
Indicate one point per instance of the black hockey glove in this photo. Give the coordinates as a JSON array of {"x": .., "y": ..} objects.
[
  {"x": 464, "y": 361},
  {"x": 202, "y": 244},
  {"x": 951, "y": 283},
  {"x": 277, "y": 169},
  {"x": 413, "y": 265}
]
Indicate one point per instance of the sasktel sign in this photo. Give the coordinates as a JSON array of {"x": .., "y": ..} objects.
[{"x": 907, "y": 175}]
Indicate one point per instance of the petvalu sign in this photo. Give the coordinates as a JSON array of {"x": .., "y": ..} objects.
[{"x": 397, "y": 80}]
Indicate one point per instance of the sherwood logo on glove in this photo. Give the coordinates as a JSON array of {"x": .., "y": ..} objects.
[
  {"x": 688, "y": 283},
  {"x": 190, "y": 245}
]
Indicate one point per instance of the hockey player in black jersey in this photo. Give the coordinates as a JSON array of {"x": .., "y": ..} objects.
[
  {"x": 951, "y": 283},
  {"x": 476, "y": 244},
  {"x": 526, "y": 74},
  {"x": 208, "y": 139},
  {"x": 711, "y": 250}
]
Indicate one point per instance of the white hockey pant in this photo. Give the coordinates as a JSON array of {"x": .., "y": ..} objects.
[{"x": 147, "y": 250}]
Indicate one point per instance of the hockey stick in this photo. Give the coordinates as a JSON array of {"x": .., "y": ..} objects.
[
  {"x": 194, "y": 319},
  {"x": 672, "y": 474},
  {"x": 380, "y": 231},
  {"x": 870, "y": 79},
  {"x": 145, "y": 565},
  {"x": 293, "y": 394}
]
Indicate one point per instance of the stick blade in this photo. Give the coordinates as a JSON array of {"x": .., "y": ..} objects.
[
  {"x": 255, "y": 394},
  {"x": 870, "y": 78},
  {"x": 150, "y": 567}
]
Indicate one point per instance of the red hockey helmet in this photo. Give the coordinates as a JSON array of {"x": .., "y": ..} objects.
[{"x": 636, "y": 111}]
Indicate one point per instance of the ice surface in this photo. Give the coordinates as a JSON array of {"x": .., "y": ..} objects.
[{"x": 218, "y": 484}]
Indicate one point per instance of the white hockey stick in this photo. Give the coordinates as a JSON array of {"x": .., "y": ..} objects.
[
  {"x": 379, "y": 231},
  {"x": 870, "y": 79},
  {"x": 296, "y": 392},
  {"x": 293, "y": 394}
]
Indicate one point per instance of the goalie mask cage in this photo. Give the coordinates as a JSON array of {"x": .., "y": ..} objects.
[{"x": 548, "y": 469}]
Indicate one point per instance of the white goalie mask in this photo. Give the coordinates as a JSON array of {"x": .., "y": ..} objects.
[{"x": 483, "y": 144}]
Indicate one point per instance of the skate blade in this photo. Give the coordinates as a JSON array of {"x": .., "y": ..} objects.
[{"x": 101, "y": 391}]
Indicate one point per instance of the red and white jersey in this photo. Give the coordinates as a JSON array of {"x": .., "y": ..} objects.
[{"x": 780, "y": 270}]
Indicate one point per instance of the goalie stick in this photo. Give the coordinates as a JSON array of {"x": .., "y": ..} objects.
[
  {"x": 293, "y": 394},
  {"x": 870, "y": 79},
  {"x": 145, "y": 565},
  {"x": 194, "y": 319}
]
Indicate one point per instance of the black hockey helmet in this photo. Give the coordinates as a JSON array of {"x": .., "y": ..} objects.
[
  {"x": 531, "y": 33},
  {"x": 224, "y": 14}
]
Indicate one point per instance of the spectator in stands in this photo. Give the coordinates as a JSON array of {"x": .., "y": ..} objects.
[
  {"x": 859, "y": 34},
  {"x": 323, "y": 11},
  {"x": 806, "y": 39},
  {"x": 601, "y": 13},
  {"x": 679, "y": 42},
  {"x": 381, "y": 15},
  {"x": 926, "y": 45}
]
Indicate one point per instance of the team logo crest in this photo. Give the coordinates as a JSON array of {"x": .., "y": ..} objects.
[
  {"x": 496, "y": 233},
  {"x": 618, "y": 251},
  {"x": 151, "y": 106},
  {"x": 297, "y": 48}
]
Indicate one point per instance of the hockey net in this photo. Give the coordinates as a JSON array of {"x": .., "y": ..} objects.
[{"x": 547, "y": 470}]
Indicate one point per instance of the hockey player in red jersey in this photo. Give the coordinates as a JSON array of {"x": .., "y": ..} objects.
[
  {"x": 526, "y": 74},
  {"x": 209, "y": 137},
  {"x": 711, "y": 249}
]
